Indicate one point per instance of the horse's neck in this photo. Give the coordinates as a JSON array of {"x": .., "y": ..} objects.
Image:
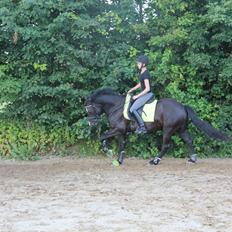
[{"x": 111, "y": 101}]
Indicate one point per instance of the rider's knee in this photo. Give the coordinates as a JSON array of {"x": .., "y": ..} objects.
[{"x": 132, "y": 110}]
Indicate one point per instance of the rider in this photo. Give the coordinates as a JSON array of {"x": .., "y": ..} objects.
[{"x": 145, "y": 95}]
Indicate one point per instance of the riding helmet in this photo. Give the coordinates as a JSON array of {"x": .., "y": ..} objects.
[{"x": 143, "y": 59}]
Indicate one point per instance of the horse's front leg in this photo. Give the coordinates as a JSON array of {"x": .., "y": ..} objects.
[
  {"x": 121, "y": 142},
  {"x": 109, "y": 134},
  {"x": 105, "y": 147},
  {"x": 121, "y": 148},
  {"x": 105, "y": 140}
]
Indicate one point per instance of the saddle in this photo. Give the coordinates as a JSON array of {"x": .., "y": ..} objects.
[{"x": 147, "y": 111}]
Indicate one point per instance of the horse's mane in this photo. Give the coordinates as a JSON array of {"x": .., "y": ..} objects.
[{"x": 102, "y": 91}]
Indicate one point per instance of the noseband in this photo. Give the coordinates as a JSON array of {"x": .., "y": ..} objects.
[{"x": 92, "y": 108}]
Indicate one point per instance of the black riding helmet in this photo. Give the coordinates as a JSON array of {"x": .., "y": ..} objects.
[{"x": 143, "y": 59}]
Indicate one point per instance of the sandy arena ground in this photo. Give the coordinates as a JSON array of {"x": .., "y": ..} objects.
[{"x": 89, "y": 194}]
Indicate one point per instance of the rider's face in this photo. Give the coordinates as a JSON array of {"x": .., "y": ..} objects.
[{"x": 139, "y": 65}]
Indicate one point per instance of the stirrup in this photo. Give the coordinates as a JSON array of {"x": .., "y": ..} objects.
[{"x": 141, "y": 130}]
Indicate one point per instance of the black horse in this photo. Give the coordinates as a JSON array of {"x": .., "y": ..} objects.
[{"x": 171, "y": 117}]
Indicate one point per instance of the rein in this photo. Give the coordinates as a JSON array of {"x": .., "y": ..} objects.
[
  {"x": 95, "y": 116},
  {"x": 92, "y": 107},
  {"x": 116, "y": 108}
]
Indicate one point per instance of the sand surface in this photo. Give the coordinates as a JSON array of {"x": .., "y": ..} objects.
[{"x": 89, "y": 194}]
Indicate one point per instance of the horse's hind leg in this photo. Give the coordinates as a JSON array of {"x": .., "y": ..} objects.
[
  {"x": 186, "y": 137},
  {"x": 165, "y": 146}
]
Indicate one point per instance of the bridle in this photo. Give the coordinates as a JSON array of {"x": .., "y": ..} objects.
[{"x": 92, "y": 108}]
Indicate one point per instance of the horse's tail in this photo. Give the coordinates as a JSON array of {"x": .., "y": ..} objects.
[{"x": 205, "y": 126}]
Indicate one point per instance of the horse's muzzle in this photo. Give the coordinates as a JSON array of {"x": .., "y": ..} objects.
[{"x": 93, "y": 121}]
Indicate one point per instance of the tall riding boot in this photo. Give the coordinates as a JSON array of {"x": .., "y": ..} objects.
[{"x": 141, "y": 129}]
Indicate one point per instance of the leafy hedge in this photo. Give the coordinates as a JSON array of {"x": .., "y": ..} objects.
[{"x": 30, "y": 141}]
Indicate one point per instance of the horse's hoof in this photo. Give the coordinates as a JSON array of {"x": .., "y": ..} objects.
[
  {"x": 104, "y": 146},
  {"x": 116, "y": 163},
  {"x": 105, "y": 150},
  {"x": 109, "y": 153},
  {"x": 155, "y": 161},
  {"x": 193, "y": 159}
]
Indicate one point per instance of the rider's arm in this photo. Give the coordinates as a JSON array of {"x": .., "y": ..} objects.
[
  {"x": 134, "y": 88},
  {"x": 146, "y": 90}
]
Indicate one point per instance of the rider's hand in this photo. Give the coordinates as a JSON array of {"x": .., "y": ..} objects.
[{"x": 134, "y": 98}]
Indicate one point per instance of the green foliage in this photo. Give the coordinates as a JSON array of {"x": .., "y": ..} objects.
[
  {"x": 10, "y": 87},
  {"x": 29, "y": 141},
  {"x": 61, "y": 47},
  {"x": 147, "y": 146}
]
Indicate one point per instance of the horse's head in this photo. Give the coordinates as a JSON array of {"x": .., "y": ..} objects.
[
  {"x": 100, "y": 99},
  {"x": 94, "y": 110}
]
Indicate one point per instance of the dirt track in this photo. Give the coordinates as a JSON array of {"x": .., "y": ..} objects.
[{"x": 75, "y": 195}]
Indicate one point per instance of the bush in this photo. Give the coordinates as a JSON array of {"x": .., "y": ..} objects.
[{"x": 28, "y": 141}]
